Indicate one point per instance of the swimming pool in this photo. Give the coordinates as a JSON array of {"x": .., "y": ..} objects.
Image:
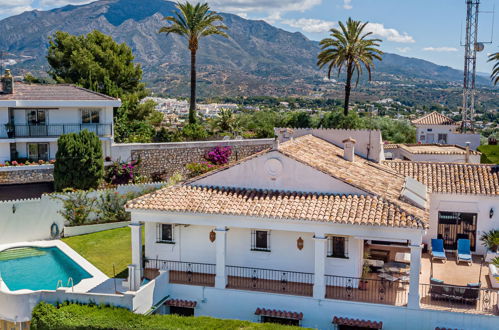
[{"x": 37, "y": 268}]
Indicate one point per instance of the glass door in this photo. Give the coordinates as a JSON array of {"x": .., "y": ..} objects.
[
  {"x": 37, "y": 122},
  {"x": 455, "y": 225},
  {"x": 38, "y": 151}
]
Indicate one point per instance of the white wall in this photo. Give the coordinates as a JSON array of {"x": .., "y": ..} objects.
[
  {"x": 464, "y": 203},
  {"x": 452, "y": 137},
  {"x": 66, "y": 115},
  {"x": 461, "y": 139},
  {"x": 192, "y": 244},
  {"x": 294, "y": 176},
  {"x": 443, "y": 158},
  {"x": 237, "y": 304},
  {"x": 4, "y": 152}
]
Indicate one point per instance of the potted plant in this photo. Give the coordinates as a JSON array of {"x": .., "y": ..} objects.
[
  {"x": 366, "y": 270},
  {"x": 11, "y": 129},
  {"x": 490, "y": 240}
]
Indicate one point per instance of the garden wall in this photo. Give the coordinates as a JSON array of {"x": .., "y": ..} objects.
[
  {"x": 161, "y": 160},
  {"x": 31, "y": 219},
  {"x": 26, "y": 174}
]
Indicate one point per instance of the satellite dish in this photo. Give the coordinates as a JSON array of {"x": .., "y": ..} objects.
[{"x": 479, "y": 46}]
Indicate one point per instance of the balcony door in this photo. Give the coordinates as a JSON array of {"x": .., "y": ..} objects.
[
  {"x": 37, "y": 122},
  {"x": 455, "y": 225},
  {"x": 38, "y": 151}
]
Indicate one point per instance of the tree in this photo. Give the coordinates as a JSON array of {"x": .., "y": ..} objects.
[
  {"x": 79, "y": 161},
  {"x": 349, "y": 48},
  {"x": 226, "y": 122},
  {"x": 495, "y": 71},
  {"x": 94, "y": 61},
  {"x": 193, "y": 23}
]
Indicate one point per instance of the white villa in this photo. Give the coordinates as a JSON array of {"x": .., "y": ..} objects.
[
  {"x": 321, "y": 231},
  {"x": 441, "y": 153},
  {"x": 33, "y": 116},
  {"x": 437, "y": 128}
]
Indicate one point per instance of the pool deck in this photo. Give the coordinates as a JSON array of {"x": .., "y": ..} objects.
[{"x": 85, "y": 285}]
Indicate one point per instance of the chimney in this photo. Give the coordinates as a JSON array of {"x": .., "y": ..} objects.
[
  {"x": 467, "y": 156},
  {"x": 7, "y": 83},
  {"x": 349, "y": 149}
]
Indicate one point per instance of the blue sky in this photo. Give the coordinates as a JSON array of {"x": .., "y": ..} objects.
[{"x": 427, "y": 29}]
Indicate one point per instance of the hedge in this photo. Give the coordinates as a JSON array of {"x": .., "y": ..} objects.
[{"x": 69, "y": 316}]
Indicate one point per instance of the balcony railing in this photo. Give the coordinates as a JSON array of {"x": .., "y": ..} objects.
[
  {"x": 378, "y": 291},
  {"x": 270, "y": 280},
  {"x": 455, "y": 298},
  {"x": 54, "y": 130},
  {"x": 193, "y": 273}
]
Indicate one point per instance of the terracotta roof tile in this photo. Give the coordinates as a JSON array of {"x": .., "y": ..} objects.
[
  {"x": 279, "y": 314},
  {"x": 49, "y": 92},
  {"x": 357, "y": 323},
  {"x": 351, "y": 209},
  {"x": 458, "y": 178},
  {"x": 434, "y": 118},
  {"x": 181, "y": 303}
]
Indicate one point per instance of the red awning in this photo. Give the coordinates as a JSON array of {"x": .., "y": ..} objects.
[
  {"x": 357, "y": 323},
  {"x": 181, "y": 303},
  {"x": 280, "y": 314}
]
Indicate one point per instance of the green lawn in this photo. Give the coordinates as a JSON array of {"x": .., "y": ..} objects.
[
  {"x": 105, "y": 249},
  {"x": 490, "y": 154}
]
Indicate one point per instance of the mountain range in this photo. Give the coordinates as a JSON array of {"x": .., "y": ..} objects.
[{"x": 257, "y": 59}]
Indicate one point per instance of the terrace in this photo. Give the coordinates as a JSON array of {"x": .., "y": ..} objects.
[
  {"x": 372, "y": 289},
  {"x": 53, "y": 130}
]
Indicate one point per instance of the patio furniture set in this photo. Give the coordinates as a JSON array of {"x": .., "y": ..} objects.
[{"x": 394, "y": 271}]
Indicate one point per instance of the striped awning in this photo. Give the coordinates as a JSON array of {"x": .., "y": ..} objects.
[
  {"x": 357, "y": 323},
  {"x": 279, "y": 314},
  {"x": 181, "y": 303}
]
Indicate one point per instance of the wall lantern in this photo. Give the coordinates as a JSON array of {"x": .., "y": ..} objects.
[
  {"x": 491, "y": 213},
  {"x": 299, "y": 243},
  {"x": 213, "y": 236}
]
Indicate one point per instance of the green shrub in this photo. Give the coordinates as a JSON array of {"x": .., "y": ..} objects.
[
  {"x": 196, "y": 169},
  {"x": 79, "y": 161},
  {"x": 111, "y": 207},
  {"x": 76, "y": 207},
  {"x": 74, "y": 316}
]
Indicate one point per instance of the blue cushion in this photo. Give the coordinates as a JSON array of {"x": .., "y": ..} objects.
[
  {"x": 438, "y": 254},
  {"x": 473, "y": 285},
  {"x": 436, "y": 281},
  {"x": 464, "y": 256}
]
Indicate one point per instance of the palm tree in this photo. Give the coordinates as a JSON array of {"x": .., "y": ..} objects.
[
  {"x": 194, "y": 22},
  {"x": 349, "y": 48},
  {"x": 495, "y": 70}
]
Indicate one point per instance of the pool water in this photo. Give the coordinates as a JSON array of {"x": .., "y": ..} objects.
[{"x": 36, "y": 268}]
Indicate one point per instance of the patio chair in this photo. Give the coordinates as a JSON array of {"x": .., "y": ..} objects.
[
  {"x": 437, "y": 250},
  {"x": 464, "y": 251}
]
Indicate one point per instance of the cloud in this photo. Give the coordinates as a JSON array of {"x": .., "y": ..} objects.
[
  {"x": 48, "y": 4},
  {"x": 310, "y": 24},
  {"x": 10, "y": 8},
  {"x": 379, "y": 29},
  {"x": 269, "y": 6},
  {"x": 403, "y": 49},
  {"x": 440, "y": 49},
  {"x": 347, "y": 4}
]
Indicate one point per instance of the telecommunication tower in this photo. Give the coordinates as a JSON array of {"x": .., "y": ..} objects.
[{"x": 471, "y": 47}]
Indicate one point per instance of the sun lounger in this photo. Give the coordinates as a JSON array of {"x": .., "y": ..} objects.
[
  {"x": 437, "y": 249},
  {"x": 464, "y": 251}
]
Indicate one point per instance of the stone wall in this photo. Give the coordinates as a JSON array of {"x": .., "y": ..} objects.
[
  {"x": 26, "y": 174},
  {"x": 162, "y": 160}
]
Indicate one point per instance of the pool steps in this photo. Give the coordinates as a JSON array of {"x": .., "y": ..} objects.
[{"x": 22, "y": 252}]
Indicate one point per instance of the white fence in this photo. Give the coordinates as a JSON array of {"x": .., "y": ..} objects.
[{"x": 31, "y": 219}]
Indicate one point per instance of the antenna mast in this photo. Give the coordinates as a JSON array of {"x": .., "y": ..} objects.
[{"x": 472, "y": 46}]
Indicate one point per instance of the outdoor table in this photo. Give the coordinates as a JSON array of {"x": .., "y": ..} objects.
[{"x": 404, "y": 257}]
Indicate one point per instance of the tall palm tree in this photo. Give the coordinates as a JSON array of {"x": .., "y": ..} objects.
[
  {"x": 194, "y": 22},
  {"x": 495, "y": 70},
  {"x": 349, "y": 47}
]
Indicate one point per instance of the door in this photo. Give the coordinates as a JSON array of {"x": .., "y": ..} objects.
[
  {"x": 430, "y": 138},
  {"x": 37, "y": 122},
  {"x": 455, "y": 225},
  {"x": 38, "y": 151}
]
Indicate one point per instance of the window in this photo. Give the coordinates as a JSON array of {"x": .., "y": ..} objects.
[
  {"x": 90, "y": 116},
  {"x": 38, "y": 151},
  {"x": 422, "y": 138},
  {"x": 430, "y": 129},
  {"x": 182, "y": 311},
  {"x": 337, "y": 247},
  {"x": 442, "y": 138},
  {"x": 164, "y": 233},
  {"x": 36, "y": 117},
  {"x": 260, "y": 240},
  {"x": 279, "y": 320}
]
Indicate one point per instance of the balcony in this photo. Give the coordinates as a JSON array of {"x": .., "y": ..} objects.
[
  {"x": 53, "y": 130},
  {"x": 366, "y": 290}
]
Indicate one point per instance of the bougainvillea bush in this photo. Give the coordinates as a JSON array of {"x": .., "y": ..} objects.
[
  {"x": 123, "y": 173},
  {"x": 219, "y": 155}
]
